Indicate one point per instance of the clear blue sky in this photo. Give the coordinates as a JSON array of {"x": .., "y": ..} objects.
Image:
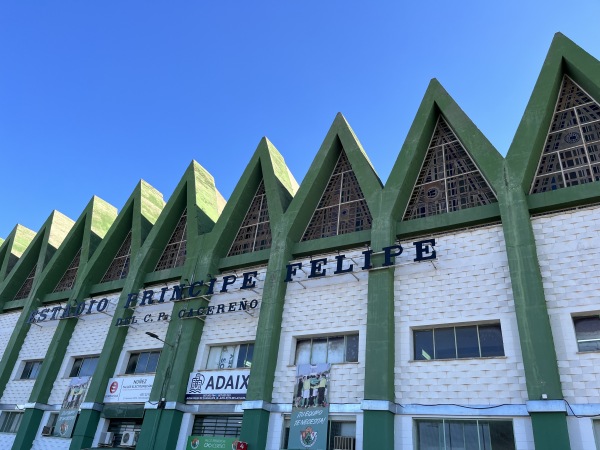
[{"x": 95, "y": 95}]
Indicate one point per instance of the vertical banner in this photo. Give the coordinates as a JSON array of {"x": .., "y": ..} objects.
[
  {"x": 70, "y": 407},
  {"x": 310, "y": 408}
]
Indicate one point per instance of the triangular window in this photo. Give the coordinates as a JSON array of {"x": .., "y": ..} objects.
[
  {"x": 571, "y": 154},
  {"x": 119, "y": 268},
  {"x": 254, "y": 233},
  {"x": 449, "y": 179},
  {"x": 342, "y": 208},
  {"x": 27, "y": 285},
  {"x": 68, "y": 279},
  {"x": 174, "y": 254}
]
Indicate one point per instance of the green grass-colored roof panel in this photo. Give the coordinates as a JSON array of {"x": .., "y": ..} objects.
[
  {"x": 564, "y": 58},
  {"x": 404, "y": 174},
  {"x": 13, "y": 248}
]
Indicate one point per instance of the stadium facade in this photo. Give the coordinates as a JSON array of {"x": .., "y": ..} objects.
[{"x": 457, "y": 304}]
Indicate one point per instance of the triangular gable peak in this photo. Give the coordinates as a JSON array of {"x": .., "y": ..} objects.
[
  {"x": 14, "y": 247},
  {"x": 255, "y": 231},
  {"x": 119, "y": 267},
  {"x": 175, "y": 251},
  {"x": 342, "y": 208},
  {"x": 448, "y": 180},
  {"x": 571, "y": 153}
]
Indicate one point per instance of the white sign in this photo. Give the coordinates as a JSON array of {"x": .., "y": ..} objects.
[
  {"x": 129, "y": 389},
  {"x": 230, "y": 384}
]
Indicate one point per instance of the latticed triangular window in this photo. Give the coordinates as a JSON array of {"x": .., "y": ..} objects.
[
  {"x": 68, "y": 279},
  {"x": 27, "y": 285},
  {"x": 449, "y": 180},
  {"x": 342, "y": 208},
  {"x": 571, "y": 155},
  {"x": 119, "y": 267},
  {"x": 174, "y": 254},
  {"x": 254, "y": 233}
]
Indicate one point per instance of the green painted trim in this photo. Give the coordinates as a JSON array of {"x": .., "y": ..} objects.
[
  {"x": 331, "y": 243},
  {"x": 378, "y": 429},
  {"x": 584, "y": 194},
  {"x": 53, "y": 297},
  {"x": 564, "y": 57},
  {"x": 449, "y": 221},
  {"x": 107, "y": 287},
  {"x": 85, "y": 429},
  {"x": 245, "y": 260},
  {"x": 550, "y": 431},
  {"x": 28, "y": 429},
  {"x": 255, "y": 426},
  {"x": 164, "y": 275}
]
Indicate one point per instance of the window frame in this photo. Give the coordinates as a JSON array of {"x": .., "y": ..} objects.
[
  {"x": 301, "y": 339},
  {"x": 580, "y": 318},
  {"x": 478, "y": 325},
  {"x": 443, "y": 420},
  {"x": 83, "y": 359},
  {"x": 137, "y": 354},
  {"x": 36, "y": 366},
  {"x": 236, "y": 355},
  {"x": 12, "y": 415}
]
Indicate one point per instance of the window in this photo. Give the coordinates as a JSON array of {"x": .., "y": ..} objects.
[
  {"x": 48, "y": 429},
  {"x": 331, "y": 349},
  {"x": 143, "y": 362},
  {"x": 10, "y": 421},
  {"x": 463, "y": 434},
  {"x": 230, "y": 356},
  {"x": 587, "y": 331},
  {"x": 122, "y": 426},
  {"x": 473, "y": 341},
  {"x": 31, "y": 370},
  {"x": 228, "y": 426},
  {"x": 84, "y": 367}
]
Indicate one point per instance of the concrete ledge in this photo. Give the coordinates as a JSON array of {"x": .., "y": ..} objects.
[
  {"x": 40, "y": 406},
  {"x": 93, "y": 406},
  {"x": 378, "y": 405},
  {"x": 466, "y": 410},
  {"x": 541, "y": 406},
  {"x": 257, "y": 404}
]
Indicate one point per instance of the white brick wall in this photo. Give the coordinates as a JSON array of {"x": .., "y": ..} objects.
[
  {"x": 331, "y": 305},
  {"x": 87, "y": 340},
  {"x": 6, "y": 440},
  {"x": 568, "y": 245},
  {"x": 34, "y": 347},
  {"x": 468, "y": 283},
  {"x": 49, "y": 442},
  {"x": 7, "y": 325}
]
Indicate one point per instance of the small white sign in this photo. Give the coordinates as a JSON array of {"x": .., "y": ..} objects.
[
  {"x": 230, "y": 384},
  {"x": 129, "y": 389}
]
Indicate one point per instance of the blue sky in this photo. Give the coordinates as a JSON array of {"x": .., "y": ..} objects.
[{"x": 95, "y": 95}]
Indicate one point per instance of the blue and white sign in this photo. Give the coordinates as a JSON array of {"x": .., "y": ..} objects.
[{"x": 230, "y": 384}]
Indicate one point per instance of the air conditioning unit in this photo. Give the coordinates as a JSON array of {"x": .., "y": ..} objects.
[
  {"x": 106, "y": 439},
  {"x": 129, "y": 439},
  {"x": 47, "y": 430},
  {"x": 344, "y": 443}
]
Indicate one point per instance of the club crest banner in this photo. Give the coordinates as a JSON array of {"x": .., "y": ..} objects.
[
  {"x": 310, "y": 408},
  {"x": 70, "y": 407}
]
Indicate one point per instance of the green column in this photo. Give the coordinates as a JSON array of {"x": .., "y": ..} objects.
[
  {"x": 30, "y": 423},
  {"x": 378, "y": 425},
  {"x": 87, "y": 423},
  {"x": 535, "y": 333},
  {"x": 266, "y": 347}
]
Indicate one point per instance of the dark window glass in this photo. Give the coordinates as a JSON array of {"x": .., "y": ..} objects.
[
  {"x": 423, "y": 340},
  {"x": 352, "y": 348},
  {"x": 465, "y": 435},
  {"x": 84, "y": 367},
  {"x": 490, "y": 337},
  {"x": 217, "y": 426},
  {"x": 31, "y": 370},
  {"x": 10, "y": 421},
  {"x": 467, "y": 344},
  {"x": 445, "y": 346},
  {"x": 142, "y": 362},
  {"x": 245, "y": 355},
  {"x": 587, "y": 331}
]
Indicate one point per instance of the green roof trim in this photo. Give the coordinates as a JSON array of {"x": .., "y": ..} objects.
[
  {"x": 339, "y": 137},
  {"x": 404, "y": 174},
  {"x": 13, "y": 248},
  {"x": 564, "y": 58}
]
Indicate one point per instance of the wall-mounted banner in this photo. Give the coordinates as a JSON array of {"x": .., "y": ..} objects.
[
  {"x": 310, "y": 408},
  {"x": 70, "y": 407},
  {"x": 216, "y": 442},
  {"x": 129, "y": 389},
  {"x": 230, "y": 384},
  {"x": 424, "y": 251}
]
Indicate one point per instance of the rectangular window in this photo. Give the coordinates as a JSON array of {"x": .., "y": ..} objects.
[
  {"x": 331, "y": 349},
  {"x": 143, "y": 362},
  {"x": 473, "y": 341},
  {"x": 587, "y": 331},
  {"x": 84, "y": 366},
  {"x": 464, "y": 434},
  {"x": 228, "y": 426},
  {"x": 125, "y": 430},
  {"x": 230, "y": 356},
  {"x": 48, "y": 429},
  {"x": 31, "y": 370},
  {"x": 10, "y": 421}
]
